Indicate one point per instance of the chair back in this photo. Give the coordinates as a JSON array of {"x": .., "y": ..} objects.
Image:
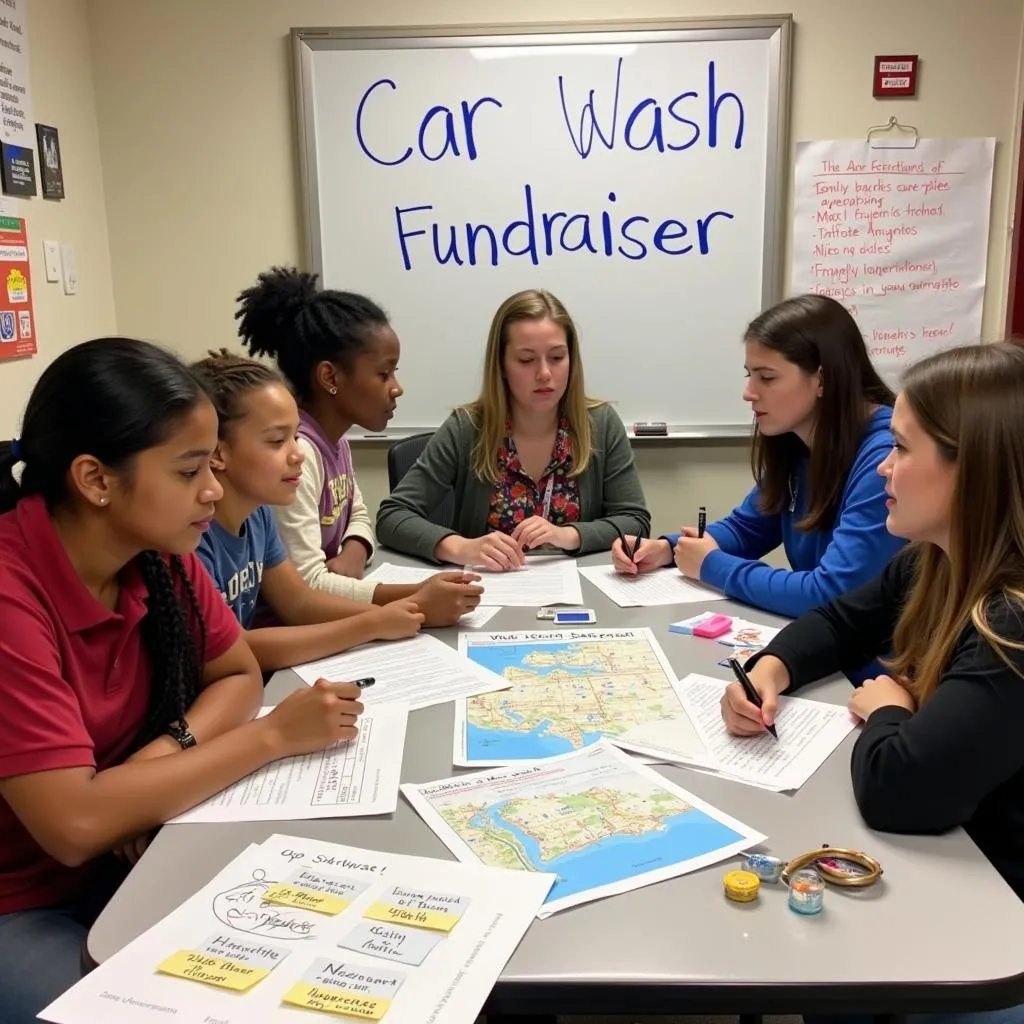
[{"x": 402, "y": 456}]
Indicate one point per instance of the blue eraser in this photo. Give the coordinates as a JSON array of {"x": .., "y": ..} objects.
[{"x": 687, "y": 625}]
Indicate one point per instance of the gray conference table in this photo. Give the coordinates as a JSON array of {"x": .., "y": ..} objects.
[{"x": 942, "y": 931}]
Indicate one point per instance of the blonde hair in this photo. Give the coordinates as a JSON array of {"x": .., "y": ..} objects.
[
  {"x": 490, "y": 412},
  {"x": 970, "y": 401}
]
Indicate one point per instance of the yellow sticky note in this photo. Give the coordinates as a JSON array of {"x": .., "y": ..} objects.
[
  {"x": 212, "y": 970},
  {"x": 305, "y": 899},
  {"x": 435, "y": 920},
  {"x": 337, "y": 1000}
]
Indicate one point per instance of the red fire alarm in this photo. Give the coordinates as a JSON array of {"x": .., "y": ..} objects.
[{"x": 896, "y": 76}]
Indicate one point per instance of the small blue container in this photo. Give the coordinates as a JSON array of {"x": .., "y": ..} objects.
[
  {"x": 806, "y": 892},
  {"x": 764, "y": 865}
]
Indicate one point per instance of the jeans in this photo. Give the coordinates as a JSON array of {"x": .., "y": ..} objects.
[{"x": 41, "y": 951}]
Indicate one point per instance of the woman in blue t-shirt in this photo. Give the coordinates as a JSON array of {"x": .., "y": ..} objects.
[{"x": 821, "y": 429}]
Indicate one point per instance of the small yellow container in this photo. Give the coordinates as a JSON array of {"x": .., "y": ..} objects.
[{"x": 741, "y": 886}]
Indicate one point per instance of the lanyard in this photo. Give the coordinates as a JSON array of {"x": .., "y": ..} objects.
[
  {"x": 547, "y": 496},
  {"x": 548, "y": 491}
]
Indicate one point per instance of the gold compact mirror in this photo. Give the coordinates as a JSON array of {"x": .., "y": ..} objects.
[{"x": 850, "y": 869}]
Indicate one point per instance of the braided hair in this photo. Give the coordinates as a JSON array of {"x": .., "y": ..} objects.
[
  {"x": 226, "y": 378},
  {"x": 285, "y": 317},
  {"x": 112, "y": 398}
]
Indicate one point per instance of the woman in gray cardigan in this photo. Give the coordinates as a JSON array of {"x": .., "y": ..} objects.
[{"x": 533, "y": 463}]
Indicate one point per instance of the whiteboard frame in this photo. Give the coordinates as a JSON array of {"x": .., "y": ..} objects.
[{"x": 776, "y": 29}]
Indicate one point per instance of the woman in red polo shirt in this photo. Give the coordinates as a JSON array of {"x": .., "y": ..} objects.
[{"x": 127, "y": 691}]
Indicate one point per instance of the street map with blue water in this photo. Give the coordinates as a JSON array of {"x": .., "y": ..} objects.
[
  {"x": 568, "y": 689},
  {"x": 596, "y": 817}
]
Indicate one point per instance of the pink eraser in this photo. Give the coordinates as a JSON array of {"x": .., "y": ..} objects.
[{"x": 715, "y": 626}]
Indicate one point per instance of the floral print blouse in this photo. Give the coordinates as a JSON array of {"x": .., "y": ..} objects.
[{"x": 517, "y": 496}]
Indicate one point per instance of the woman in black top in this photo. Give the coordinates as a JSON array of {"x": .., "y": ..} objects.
[{"x": 941, "y": 743}]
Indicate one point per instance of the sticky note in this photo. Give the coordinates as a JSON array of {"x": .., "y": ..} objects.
[
  {"x": 435, "y": 920},
  {"x": 304, "y": 899},
  {"x": 336, "y": 1000},
  {"x": 336, "y": 885},
  {"x": 391, "y": 942},
  {"x": 417, "y": 908},
  {"x": 212, "y": 970},
  {"x": 252, "y": 952},
  {"x": 345, "y": 988}
]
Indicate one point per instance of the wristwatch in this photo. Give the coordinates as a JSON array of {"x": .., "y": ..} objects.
[{"x": 179, "y": 731}]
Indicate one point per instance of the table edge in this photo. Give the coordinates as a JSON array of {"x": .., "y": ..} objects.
[{"x": 622, "y": 997}]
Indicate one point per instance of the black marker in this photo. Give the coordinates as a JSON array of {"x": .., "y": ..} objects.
[
  {"x": 748, "y": 688},
  {"x": 702, "y": 520},
  {"x": 364, "y": 683}
]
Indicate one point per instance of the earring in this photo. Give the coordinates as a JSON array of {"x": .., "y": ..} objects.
[
  {"x": 332, "y": 391},
  {"x": 103, "y": 501}
]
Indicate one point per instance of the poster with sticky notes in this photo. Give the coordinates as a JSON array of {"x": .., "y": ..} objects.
[{"x": 294, "y": 927}]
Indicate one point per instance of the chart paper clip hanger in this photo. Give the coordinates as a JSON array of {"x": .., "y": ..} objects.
[{"x": 905, "y": 136}]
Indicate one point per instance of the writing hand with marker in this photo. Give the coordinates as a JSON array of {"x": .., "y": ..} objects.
[
  {"x": 742, "y": 717},
  {"x": 650, "y": 554},
  {"x": 313, "y": 718}
]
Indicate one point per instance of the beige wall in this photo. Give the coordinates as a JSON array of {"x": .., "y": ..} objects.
[
  {"x": 195, "y": 124},
  {"x": 62, "y": 95}
]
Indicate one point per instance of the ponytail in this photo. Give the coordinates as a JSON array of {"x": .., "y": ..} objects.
[{"x": 285, "y": 317}]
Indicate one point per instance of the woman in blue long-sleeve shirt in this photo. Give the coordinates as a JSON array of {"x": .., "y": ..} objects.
[{"x": 821, "y": 416}]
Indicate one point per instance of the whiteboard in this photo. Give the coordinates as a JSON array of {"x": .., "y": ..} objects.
[{"x": 634, "y": 171}]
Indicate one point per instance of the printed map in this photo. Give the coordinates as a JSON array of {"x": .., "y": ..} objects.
[
  {"x": 597, "y": 818},
  {"x": 568, "y": 690}
]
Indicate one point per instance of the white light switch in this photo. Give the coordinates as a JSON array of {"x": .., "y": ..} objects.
[
  {"x": 70, "y": 267},
  {"x": 51, "y": 253}
]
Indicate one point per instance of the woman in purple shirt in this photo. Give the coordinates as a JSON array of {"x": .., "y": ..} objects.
[{"x": 339, "y": 354}]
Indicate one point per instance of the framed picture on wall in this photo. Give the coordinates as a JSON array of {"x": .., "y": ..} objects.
[
  {"x": 17, "y": 170},
  {"x": 50, "y": 169}
]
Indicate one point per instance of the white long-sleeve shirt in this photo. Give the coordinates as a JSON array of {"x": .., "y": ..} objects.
[{"x": 299, "y": 526}]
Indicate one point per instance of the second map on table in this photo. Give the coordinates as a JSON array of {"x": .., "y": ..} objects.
[
  {"x": 569, "y": 688},
  {"x": 599, "y": 820}
]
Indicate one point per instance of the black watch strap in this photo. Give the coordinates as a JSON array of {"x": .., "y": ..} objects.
[{"x": 180, "y": 732}]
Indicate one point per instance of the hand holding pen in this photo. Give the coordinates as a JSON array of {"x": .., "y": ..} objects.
[
  {"x": 749, "y": 709},
  {"x": 640, "y": 554},
  {"x": 693, "y": 546}
]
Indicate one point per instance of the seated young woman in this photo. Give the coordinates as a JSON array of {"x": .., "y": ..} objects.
[
  {"x": 128, "y": 690},
  {"x": 941, "y": 742},
  {"x": 340, "y": 355},
  {"x": 821, "y": 427},
  {"x": 258, "y": 463},
  {"x": 532, "y": 463}
]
